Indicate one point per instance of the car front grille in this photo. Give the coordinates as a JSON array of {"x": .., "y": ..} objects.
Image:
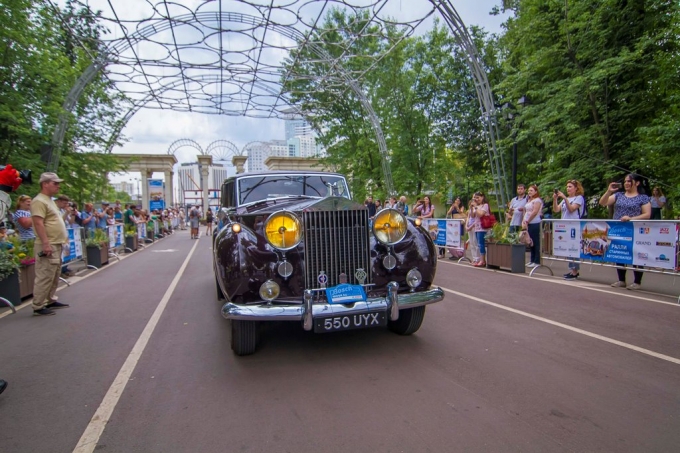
[{"x": 336, "y": 242}]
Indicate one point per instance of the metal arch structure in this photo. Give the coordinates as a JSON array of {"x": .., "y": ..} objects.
[
  {"x": 184, "y": 142},
  {"x": 222, "y": 150},
  {"x": 164, "y": 55}
]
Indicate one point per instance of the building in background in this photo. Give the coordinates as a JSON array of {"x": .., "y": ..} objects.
[
  {"x": 190, "y": 183},
  {"x": 127, "y": 187}
]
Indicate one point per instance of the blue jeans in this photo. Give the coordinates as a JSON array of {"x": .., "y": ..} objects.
[{"x": 481, "y": 241}]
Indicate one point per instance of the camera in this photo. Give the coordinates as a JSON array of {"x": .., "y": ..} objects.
[
  {"x": 555, "y": 191},
  {"x": 42, "y": 254}
]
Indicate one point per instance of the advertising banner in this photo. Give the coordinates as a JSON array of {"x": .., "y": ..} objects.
[
  {"x": 444, "y": 232},
  {"x": 156, "y": 194},
  {"x": 74, "y": 251},
  {"x": 141, "y": 230},
  {"x": 115, "y": 235},
  {"x": 650, "y": 244}
]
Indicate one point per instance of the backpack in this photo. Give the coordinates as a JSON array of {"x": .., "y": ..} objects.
[{"x": 583, "y": 209}]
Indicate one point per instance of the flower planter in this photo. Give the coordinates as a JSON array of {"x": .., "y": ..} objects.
[
  {"x": 26, "y": 280},
  {"x": 10, "y": 288},
  {"x": 506, "y": 256},
  {"x": 97, "y": 257},
  {"x": 130, "y": 243}
]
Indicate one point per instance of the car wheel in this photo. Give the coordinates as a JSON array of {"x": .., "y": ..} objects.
[
  {"x": 409, "y": 321},
  {"x": 244, "y": 336}
]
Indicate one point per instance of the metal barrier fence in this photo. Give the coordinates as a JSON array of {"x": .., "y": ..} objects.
[
  {"x": 641, "y": 245},
  {"x": 447, "y": 233}
]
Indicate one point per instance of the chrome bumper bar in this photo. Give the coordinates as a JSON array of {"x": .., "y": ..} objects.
[{"x": 308, "y": 310}]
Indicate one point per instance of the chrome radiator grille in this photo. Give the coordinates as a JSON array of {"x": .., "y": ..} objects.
[{"x": 336, "y": 242}]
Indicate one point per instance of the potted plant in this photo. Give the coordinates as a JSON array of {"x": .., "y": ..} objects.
[
  {"x": 503, "y": 249},
  {"x": 97, "y": 247},
  {"x": 130, "y": 238},
  {"x": 9, "y": 277},
  {"x": 24, "y": 255}
]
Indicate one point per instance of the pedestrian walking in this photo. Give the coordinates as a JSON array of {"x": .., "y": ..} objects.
[
  {"x": 209, "y": 222},
  {"x": 51, "y": 236},
  {"x": 194, "y": 218}
]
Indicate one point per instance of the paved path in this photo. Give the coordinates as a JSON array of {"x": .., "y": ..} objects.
[{"x": 506, "y": 363}]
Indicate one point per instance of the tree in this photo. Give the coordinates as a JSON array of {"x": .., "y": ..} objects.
[{"x": 595, "y": 73}]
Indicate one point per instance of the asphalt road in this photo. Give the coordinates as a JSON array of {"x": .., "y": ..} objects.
[{"x": 141, "y": 363}]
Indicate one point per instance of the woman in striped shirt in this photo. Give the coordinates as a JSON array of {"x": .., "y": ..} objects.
[{"x": 22, "y": 218}]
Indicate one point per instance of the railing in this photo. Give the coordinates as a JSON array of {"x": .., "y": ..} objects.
[{"x": 642, "y": 245}]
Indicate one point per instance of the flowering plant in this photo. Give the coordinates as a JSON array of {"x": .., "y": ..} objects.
[{"x": 8, "y": 263}]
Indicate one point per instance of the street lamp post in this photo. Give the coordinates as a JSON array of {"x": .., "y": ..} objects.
[{"x": 509, "y": 114}]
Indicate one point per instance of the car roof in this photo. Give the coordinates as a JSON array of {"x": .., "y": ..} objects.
[{"x": 283, "y": 173}]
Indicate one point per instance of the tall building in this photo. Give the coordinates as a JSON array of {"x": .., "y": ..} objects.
[
  {"x": 127, "y": 187},
  {"x": 190, "y": 183}
]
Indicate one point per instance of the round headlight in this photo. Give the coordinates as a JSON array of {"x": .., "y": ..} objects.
[
  {"x": 389, "y": 226},
  {"x": 414, "y": 278},
  {"x": 269, "y": 290},
  {"x": 283, "y": 230}
]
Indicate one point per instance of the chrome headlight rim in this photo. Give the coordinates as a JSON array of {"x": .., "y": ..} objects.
[
  {"x": 273, "y": 216},
  {"x": 402, "y": 220}
]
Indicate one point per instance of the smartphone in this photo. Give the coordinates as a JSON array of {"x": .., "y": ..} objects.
[{"x": 555, "y": 191}]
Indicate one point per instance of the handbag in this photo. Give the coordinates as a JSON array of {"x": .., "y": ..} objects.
[
  {"x": 525, "y": 239},
  {"x": 487, "y": 221}
]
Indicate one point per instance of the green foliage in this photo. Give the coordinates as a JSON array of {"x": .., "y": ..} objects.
[
  {"x": 43, "y": 55},
  {"x": 97, "y": 238},
  {"x": 421, "y": 91},
  {"x": 603, "y": 84},
  {"x": 7, "y": 264},
  {"x": 500, "y": 233}
]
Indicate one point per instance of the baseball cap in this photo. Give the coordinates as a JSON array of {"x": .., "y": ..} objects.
[{"x": 48, "y": 177}]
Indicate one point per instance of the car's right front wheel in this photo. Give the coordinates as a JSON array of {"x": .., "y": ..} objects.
[
  {"x": 244, "y": 336},
  {"x": 409, "y": 321}
]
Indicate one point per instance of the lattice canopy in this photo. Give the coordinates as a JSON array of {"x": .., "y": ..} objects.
[{"x": 227, "y": 56}]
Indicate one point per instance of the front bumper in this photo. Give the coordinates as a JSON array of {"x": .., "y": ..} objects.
[{"x": 308, "y": 310}]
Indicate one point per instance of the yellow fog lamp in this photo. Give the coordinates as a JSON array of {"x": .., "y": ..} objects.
[
  {"x": 283, "y": 230},
  {"x": 389, "y": 226},
  {"x": 269, "y": 290}
]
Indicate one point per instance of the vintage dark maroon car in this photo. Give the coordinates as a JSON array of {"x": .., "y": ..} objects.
[{"x": 293, "y": 246}]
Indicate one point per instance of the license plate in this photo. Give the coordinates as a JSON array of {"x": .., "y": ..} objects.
[{"x": 348, "y": 322}]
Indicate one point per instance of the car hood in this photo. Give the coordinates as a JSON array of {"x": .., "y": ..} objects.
[{"x": 298, "y": 204}]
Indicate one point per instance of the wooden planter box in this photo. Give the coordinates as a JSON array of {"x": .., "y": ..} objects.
[
  {"x": 10, "y": 289},
  {"x": 97, "y": 257},
  {"x": 26, "y": 280},
  {"x": 506, "y": 256},
  {"x": 130, "y": 243}
]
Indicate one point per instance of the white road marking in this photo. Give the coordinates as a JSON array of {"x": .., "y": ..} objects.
[
  {"x": 568, "y": 327},
  {"x": 592, "y": 286},
  {"x": 88, "y": 441},
  {"x": 164, "y": 251}
]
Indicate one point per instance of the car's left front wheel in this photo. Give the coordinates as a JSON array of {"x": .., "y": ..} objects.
[{"x": 244, "y": 336}]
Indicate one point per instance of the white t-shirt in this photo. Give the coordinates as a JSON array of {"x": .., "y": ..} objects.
[
  {"x": 575, "y": 214},
  {"x": 517, "y": 206},
  {"x": 528, "y": 210}
]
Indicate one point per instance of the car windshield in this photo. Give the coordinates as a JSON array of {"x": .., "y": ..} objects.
[{"x": 259, "y": 188}]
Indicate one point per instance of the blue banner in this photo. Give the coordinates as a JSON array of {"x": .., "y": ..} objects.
[
  {"x": 610, "y": 242},
  {"x": 156, "y": 194}
]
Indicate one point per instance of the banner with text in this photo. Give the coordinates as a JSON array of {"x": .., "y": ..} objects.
[
  {"x": 650, "y": 244},
  {"x": 444, "y": 232},
  {"x": 74, "y": 251},
  {"x": 156, "y": 194}
]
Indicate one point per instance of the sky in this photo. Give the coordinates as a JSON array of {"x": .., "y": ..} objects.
[{"x": 152, "y": 131}]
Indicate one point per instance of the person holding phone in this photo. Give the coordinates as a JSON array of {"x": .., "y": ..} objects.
[
  {"x": 631, "y": 204},
  {"x": 571, "y": 207}
]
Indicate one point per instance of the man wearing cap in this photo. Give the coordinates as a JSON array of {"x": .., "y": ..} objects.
[
  {"x": 102, "y": 217},
  {"x": 50, "y": 232}
]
